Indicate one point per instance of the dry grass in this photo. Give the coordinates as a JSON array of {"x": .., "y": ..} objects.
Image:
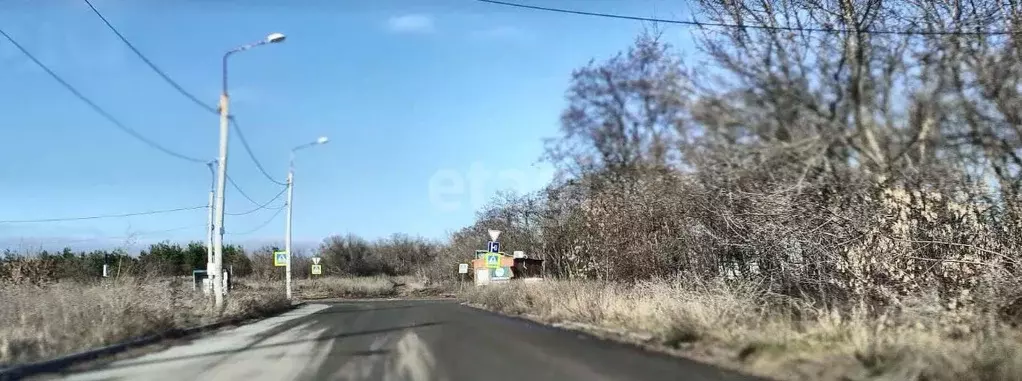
[
  {"x": 364, "y": 287},
  {"x": 347, "y": 287},
  {"x": 741, "y": 327},
  {"x": 41, "y": 322}
]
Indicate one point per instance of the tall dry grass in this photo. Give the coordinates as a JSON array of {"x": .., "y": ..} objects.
[
  {"x": 740, "y": 325},
  {"x": 360, "y": 287},
  {"x": 38, "y": 322},
  {"x": 347, "y": 287}
]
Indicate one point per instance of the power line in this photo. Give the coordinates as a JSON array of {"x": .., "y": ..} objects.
[
  {"x": 263, "y": 206},
  {"x": 180, "y": 89},
  {"x": 758, "y": 27},
  {"x": 250, "y": 199},
  {"x": 138, "y": 234},
  {"x": 251, "y": 154},
  {"x": 263, "y": 225},
  {"x": 96, "y": 107},
  {"x": 103, "y": 216},
  {"x": 151, "y": 65}
]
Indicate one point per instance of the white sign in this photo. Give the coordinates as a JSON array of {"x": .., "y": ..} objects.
[
  {"x": 315, "y": 260},
  {"x": 463, "y": 268},
  {"x": 482, "y": 276},
  {"x": 519, "y": 254},
  {"x": 494, "y": 234}
]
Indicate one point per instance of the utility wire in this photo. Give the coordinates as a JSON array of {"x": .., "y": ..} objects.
[
  {"x": 759, "y": 27},
  {"x": 185, "y": 93},
  {"x": 138, "y": 234},
  {"x": 96, "y": 107},
  {"x": 263, "y": 225},
  {"x": 163, "y": 74},
  {"x": 250, "y": 199},
  {"x": 251, "y": 154},
  {"x": 103, "y": 216},
  {"x": 263, "y": 206}
]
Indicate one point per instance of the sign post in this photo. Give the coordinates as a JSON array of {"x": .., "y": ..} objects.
[
  {"x": 317, "y": 269},
  {"x": 462, "y": 270}
]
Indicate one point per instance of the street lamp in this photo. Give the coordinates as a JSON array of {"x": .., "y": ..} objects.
[
  {"x": 290, "y": 194},
  {"x": 209, "y": 223},
  {"x": 218, "y": 238}
]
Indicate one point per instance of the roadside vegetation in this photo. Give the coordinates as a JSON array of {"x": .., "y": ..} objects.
[
  {"x": 55, "y": 304},
  {"x": 816, "y": 206},
  {"x": 834, "y": 205},
  {"x": 46, "y": 320}
]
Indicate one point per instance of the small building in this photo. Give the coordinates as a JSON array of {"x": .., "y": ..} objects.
[
  {"x": 492, "y": 267},
  {"x": 527, "y": 268}
]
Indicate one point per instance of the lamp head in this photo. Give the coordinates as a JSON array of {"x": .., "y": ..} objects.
[{"x": 274, "y": 38}]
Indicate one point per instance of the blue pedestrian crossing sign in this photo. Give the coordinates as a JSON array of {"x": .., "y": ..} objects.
[
  {"x": 280, "y": 258},
  {"x": 493, "y": 246},
  {"x": 492, "y": 260}
]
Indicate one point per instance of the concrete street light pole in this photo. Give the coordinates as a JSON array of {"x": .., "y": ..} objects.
[
  {"x": 290, "y": 194},
  {"x": 218, "y": 238},
  {"x": 209, "y": 223}
]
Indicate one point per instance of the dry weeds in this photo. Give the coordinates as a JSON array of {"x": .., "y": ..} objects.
[
  {"x": 347, "y": 287},
  {"x": 742, "y": 327},
  {"x": 38, "y": 322}
]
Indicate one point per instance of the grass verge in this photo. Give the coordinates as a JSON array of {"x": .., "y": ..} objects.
[
  {"x": 738, "y": 326},
  {"x": 347, "y": 287},
  {"x": 39, "y": 322}
]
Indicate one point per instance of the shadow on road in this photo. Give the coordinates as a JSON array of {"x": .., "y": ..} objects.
[
  {"x": 130, "y": 363},
  {"x": 336, "y": 311}
]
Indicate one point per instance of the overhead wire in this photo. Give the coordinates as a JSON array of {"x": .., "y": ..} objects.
[
  {"x": 151, "y": 65},
  {"x": 249, "y": 198},
  {"x": 743, "y": 26},
  {"x": 251, "y": 153},
  {"x": 95, "y": 107},
  {"x": 129, "y": 236},
  {"x": 180, "y": 89},
  {"x": 107, "y": 115},
  {"x": 261, "y": 207},
  {"x": 96, "y": 217},
  {"x": 261, "y": 226}
]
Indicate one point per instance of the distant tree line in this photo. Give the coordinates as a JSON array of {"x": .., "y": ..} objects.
[
  {"x": 160, "y": 259},
  {"x": 341, "y": 255}
]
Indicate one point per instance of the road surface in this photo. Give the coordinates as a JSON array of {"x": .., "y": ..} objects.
[{"x": 400, "y": 340}]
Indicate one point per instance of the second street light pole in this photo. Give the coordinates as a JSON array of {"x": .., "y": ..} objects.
[
  {"x": 209, "y": 225},
  {"x": 221, "y": 179},
  {"x": 287, "y": 223},
  {"x": 290, "y": 198}
]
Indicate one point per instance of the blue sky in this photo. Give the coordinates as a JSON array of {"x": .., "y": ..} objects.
[{"x": 417, "y": 97}]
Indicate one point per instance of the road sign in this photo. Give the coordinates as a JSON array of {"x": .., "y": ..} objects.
[
  {"x": 317, "y": 269},
  {"x": 463, "y": 268},
  {"x": 494, "y": 234},
  {"x": 280, "y": 258},
  {"x": 500, "y": 274},
  {"x": 492, "y": 260},
  {"x": 315, "y": 260},
  {"x": 493, "y": 246}
]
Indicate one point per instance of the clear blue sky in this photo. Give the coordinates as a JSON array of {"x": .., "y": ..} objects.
[{"x": 406, "y": 90}]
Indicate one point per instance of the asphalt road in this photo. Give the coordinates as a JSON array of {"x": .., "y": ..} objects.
[{"x": 400, "y": 340}]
